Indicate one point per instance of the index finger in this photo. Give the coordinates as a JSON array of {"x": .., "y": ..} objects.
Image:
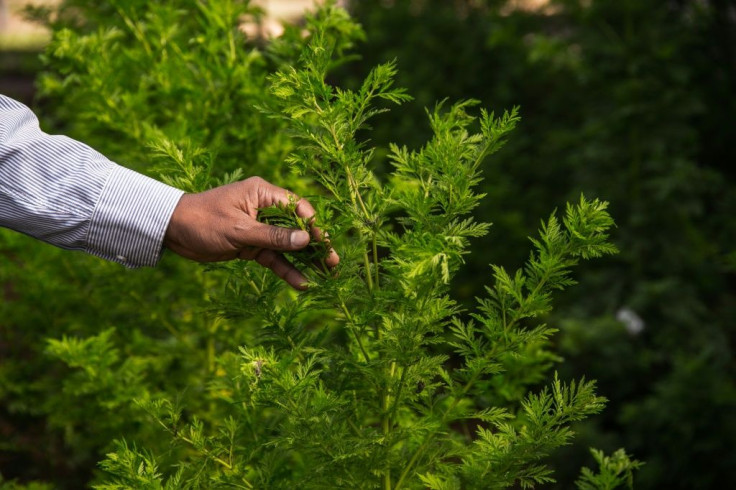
[{"x": 271, "y": 195}]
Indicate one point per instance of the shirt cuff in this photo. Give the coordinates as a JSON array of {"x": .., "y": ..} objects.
[{"x": 130, "y": 218}]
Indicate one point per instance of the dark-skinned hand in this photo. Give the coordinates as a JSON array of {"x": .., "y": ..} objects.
[{"x": 221, "y": 224}]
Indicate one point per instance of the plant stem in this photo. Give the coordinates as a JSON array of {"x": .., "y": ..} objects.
[
  {"x": 367, "y": 265},
  {"x": 386, "y": 425},
  {"x": 206, "y": 452},
  {"x": 375, "y": 256},
  {"x": 358, "y": 201},
  {"x": 350, "y": 320},
  {"x": 398, "y": 393},
  {"x": 412, "y": 461},
  {"x": 354, "y": 427},
  {"x": 356, "y": 192}
]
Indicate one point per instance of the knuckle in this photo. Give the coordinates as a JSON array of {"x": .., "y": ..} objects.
[
  {"x": 255, "y": 180},
  {"x": 279, "y": 237}
]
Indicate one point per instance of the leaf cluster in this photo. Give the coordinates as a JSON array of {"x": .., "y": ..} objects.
[
  {"x": 366, "y": 379},
  {"x": 615, "y": 471},
  {"x": 372, "y": 378}
]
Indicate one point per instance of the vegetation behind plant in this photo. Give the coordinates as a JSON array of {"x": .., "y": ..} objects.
[{"x": 629, "y": 101}]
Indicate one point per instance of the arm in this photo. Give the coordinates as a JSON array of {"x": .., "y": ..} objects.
[{"x": 65, "y": 193}]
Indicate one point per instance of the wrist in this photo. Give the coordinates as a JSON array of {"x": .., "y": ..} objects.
[{"x": 173, "y": 237}]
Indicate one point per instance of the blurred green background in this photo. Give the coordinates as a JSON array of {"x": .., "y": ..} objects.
[{"x": 631, "y": 101}]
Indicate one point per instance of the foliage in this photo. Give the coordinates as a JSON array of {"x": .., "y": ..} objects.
[
  {"x": 615, "y": 470},
  {"x": 314, "y": 255},
  {"x": 374, "y": 376},
  {"x": 13, "y": 485},
  {"x": 189, "y": 61},
  {"x": 625, "y": 100},
  {"x": 184, "y": 89}
]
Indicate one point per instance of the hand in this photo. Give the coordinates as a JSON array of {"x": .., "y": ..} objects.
[{"x": 220, "y": 224}]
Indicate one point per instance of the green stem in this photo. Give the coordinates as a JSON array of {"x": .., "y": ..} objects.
[
  {"x": 351, "y": 322},
  {"x": 481, "y": 156},
  {"x": 255, "y": 287},
  {"x": 412, "y": 462},
  {"x": 355, "y": 428},
  {"x": 356, "y": 192},
  {"x": 386, "y": 424},
  {"x": 398, "y": 394},
  {"x": 367, "y": 265},
  {"x": 200, "y": 449},
  {"x": 206, "y": 452},
  {"x": 375, "y": 257}
]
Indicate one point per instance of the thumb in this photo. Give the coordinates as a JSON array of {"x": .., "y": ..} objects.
[{"x": 262, "y": 235}]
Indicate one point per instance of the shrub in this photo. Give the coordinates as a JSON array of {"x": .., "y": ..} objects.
[
  {"x": 374, "y": 377},
  {"x": 625, "y": 101}
]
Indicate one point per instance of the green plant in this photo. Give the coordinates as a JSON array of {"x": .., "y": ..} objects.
[
  {"x": 372, "y": 378},
  {"x": 351, "y": 384},
  {"x": 12, "y": 485},
  {"x": 624, "y": 100},
  {"x": 614, "y": 471}
]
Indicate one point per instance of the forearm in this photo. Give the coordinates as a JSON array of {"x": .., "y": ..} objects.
[{"x": 65, "y": 193}]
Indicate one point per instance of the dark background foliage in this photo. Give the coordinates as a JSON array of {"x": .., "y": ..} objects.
[{"x": 630, "y": 101}]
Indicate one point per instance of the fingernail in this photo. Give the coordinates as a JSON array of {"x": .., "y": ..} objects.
[{"x": 299, "y": 239}]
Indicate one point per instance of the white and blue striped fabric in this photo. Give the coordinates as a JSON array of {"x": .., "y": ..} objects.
[{"x": 65, "y": 193}]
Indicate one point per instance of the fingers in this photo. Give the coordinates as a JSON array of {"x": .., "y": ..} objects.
[
  {"x": 282, "y": 268},
  {"x": 332, "y": 258},
  {"x": 271, "y": 194},
  {"x": 262, "y": 235}
]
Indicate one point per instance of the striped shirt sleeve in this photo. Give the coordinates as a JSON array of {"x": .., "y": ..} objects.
[{"x": 65, "y": 193}]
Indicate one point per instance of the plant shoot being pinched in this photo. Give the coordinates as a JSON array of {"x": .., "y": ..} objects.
[{"x": 314, "y": 256}]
